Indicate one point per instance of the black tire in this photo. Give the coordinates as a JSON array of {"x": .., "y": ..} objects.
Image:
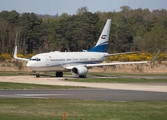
[
  {"x": 56, "y": 74},
  {"x": 59, "y": 74},
  {"x": 82, "y": 76},
  {"x": 37, "y": 75}
]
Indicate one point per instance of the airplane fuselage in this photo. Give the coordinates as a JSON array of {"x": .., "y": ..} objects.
[{"x": 59, "y": 61}]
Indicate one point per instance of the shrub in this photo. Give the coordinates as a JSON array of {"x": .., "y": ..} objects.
[
  {"x": 162, "y": 56},
  {"x": 5, "y": 56},
  {"x": 123, "y": 58},
  {"x": 29, "y": 56},
  {"x": 137, "y": 57},
  {"x": 114, "y": 58},
  {"x": 20, "y": 55},
  {"x": 134, "y": 57}
]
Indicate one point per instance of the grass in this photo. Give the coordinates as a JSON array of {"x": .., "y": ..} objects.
[
  {"x": 119, "y": 80},
  {"x": 18, "y": 73},
  {"x": 53, "y": 109},
  {"x": 23, "y": 86},
  {"x": 52, "y": 74},
  {"x": 122, "y": 74},
  {"x": 13, "y": 73}
]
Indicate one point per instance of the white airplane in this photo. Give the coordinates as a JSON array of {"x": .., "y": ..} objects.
[{"x": 76, "y": 62}]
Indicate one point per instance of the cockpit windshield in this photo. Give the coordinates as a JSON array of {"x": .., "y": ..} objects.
[{"x": 35, "y": 59}]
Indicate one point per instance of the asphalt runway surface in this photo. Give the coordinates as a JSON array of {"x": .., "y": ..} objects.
[
  {"x": 94, "y": 91},
  {"x": 87, "y": 94}
]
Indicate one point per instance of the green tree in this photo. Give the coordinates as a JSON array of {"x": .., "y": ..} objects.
[{"x": 82, "y": 10}]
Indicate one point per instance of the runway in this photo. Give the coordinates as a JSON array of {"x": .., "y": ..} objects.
[
  {"x": 151, "y": 87},
  {"x": 86, "y": 94},
  {"x": 94, "y": 91}
]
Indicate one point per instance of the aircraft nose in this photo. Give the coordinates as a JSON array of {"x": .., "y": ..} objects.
[{"x": 29, "y": 64}]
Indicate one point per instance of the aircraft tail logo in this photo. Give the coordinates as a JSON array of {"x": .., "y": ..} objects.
[{"x": 103, "y": 36}]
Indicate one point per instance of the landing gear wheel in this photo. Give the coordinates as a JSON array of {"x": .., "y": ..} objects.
[
  {"x": 56, "y": 74},
  {"x": 37, "y": 75},
  {"x": 59, "y": 74},
  {"x": 82, "y": 76}
]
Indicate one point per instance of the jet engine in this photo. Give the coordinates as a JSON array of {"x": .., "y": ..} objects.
[{"x": 80, "y": 71}]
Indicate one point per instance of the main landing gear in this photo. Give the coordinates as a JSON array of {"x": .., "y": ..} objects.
[
  {"x": 37, "y": 75},
  {"x": 59, "y": 74},
  {"x": 82, "y": 76}
]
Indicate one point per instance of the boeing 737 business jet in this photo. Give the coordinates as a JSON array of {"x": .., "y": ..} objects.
[{"x": 76, "y": 62}]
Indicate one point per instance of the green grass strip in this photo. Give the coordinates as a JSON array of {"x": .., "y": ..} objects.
[
  {"x": 119, "y": 80},
  {"x": 23, "y": 86},
  {"x": 53, "y": 109}
]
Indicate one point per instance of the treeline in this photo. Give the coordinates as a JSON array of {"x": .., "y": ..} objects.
[
  {"x": 131, "y": 30},
  {"x": 142, "y": 56}
]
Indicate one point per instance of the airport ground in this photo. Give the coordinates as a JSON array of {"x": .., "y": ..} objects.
[{"x": 88, "y": 101}]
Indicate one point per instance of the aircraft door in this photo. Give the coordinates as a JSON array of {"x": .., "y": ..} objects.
[{"x": 47, "y": 60}]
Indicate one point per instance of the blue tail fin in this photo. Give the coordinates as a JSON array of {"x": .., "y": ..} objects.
[{"x": 102, "y": 43}]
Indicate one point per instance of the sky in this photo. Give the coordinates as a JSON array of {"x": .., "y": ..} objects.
[{"x": 52, "y": 7}]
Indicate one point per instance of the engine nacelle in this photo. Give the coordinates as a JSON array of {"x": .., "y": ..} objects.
[{"x": 80, "y": 71}]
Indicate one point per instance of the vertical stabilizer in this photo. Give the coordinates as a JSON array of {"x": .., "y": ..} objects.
[{"x": 102, "y": 43}]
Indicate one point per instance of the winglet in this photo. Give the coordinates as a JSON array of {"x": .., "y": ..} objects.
[
  {"x": 15, "y": 53},
  {"x": 17, "y": 58},
  {"x": 155, "y": 57}
]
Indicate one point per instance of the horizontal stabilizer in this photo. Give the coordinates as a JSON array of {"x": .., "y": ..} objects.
[{"x": 107, "y": 55}]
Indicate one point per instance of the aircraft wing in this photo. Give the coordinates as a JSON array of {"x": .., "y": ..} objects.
[
  {"x": 18, "y": 58},
  {"x": 106, "y": 64},
  {"x": 114, "y": 63}
]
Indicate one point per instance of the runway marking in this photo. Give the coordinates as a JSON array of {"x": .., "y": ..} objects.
[{"x": 33, "y": 95}]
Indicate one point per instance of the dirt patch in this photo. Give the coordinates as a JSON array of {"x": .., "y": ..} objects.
[
  {"x": 134, "y": 68},
  {"x": 11, "y": 66}
]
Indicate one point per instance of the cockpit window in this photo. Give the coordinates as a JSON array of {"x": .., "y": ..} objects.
[{"x": 35, "y": 59}]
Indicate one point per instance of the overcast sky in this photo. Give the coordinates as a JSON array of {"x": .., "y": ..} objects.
[{"x": 53, "y": 7}]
